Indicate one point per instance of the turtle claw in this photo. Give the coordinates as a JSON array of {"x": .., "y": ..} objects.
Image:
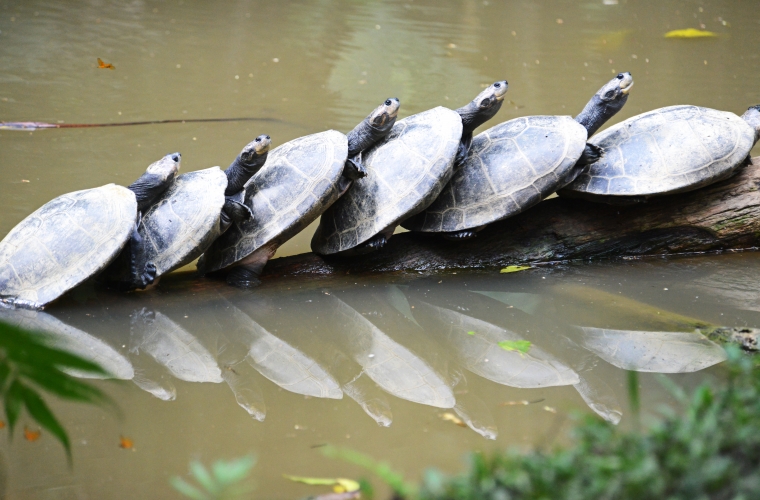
[
  {"x": 148, "y": 276},
  {"x": 467, "y": 234},
  {"x": 353, "y": 169}
]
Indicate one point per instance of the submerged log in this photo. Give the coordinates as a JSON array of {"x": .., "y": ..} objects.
[{"x": 724, "y": 216}]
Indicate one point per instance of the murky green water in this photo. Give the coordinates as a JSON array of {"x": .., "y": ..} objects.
[{"x": 397, "y": 350}]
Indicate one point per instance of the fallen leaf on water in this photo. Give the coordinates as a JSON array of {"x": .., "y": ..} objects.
[
  {"x": 450, "y": 417},
  {"x": 24, "y": 180},
  {"x": 521, "y": 346},
  {"x": 690, "y": 33},
  {"x": 2, "y": 424},
  {"x": 550, "y": 409},
  {"x": 520, "y": 403},
  {"x": 470, "y": 333},
  {"x": 31, "y": 435},
  {"x": 103, "y": 65},
  {"x": 126, "y": 443},
  {"x": 339, "y": 484},
  {"x": 513, "y": 269}
]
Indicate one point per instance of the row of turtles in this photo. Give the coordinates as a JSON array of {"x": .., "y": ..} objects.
[{"x": 426, "y": 172}]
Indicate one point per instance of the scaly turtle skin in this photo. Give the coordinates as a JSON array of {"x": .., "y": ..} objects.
[
  {"x": 514, "y": 165},
  {"x": 405, "y": 173},
  {"x": 198, "y": 208},
  {"x": 75, "y": 236},
  {"x": 668, "y": 150},
  {"x": 300, "y": 180}
]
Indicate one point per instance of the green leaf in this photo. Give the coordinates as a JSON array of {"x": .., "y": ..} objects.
[
  {"x": 13, "y": 402},
  {"x": 233, "y": 471},
  {"x": 514, "y": 269},
  {"x": 64, "y": 386},
  {"x": 522, "y": 346},
  {"x": 470, "y": 333},
  {"x": 187, "y": 489},
  {"x": 202, "y": 476},
  {"x": 42, "y": 414},
  {"x": 690, "y": 33}
]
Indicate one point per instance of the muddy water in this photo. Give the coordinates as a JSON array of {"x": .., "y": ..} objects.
[{"x": 216, "y": 373}]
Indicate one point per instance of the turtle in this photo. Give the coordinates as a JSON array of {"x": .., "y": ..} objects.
[
  {"x": 197, "y": 208},
  {"x": 406, "y": 172},
  {"x": 665, "y": 151},
  {"x": 76, "y": 235},
  {"x": 300, "y": 180},
  {"x": 514, "y": 165}
]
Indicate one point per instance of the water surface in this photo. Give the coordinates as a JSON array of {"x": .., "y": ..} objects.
[{"x": 210, "y": 372}]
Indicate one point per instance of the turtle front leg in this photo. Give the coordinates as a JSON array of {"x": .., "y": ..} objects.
[
  {"x": 352, "y": 170},
  {"x": 234, "y": 210},
  {"x": 142, "y": 273}
]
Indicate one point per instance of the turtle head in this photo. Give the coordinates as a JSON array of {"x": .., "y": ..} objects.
[
  {"x": 156, "y": 179},
  {"x": 384, "y": 116},
  {"x": 255, "y": 149},
  {"x": 606, "y": 103},
  {"x": 483, "y": 107},
  {"x": 752, "y": 116},
  {"x": 373, "y": 128},
  {"x": 248, "y": 162}
]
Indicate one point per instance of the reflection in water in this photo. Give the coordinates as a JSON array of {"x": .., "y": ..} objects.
[
  {"x": 660, "y": 352},
  {"x": 283, "y": 363},
  {"x": 475, "y": 344},
  {"x": 357, "y": 385},
  {"x": 173, "y": 347},
  {"x": 73, "y": 340},
  {"x": 392, "y": 366}
]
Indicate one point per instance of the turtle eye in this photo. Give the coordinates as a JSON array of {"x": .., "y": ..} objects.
[
  {"x": 497, "y": 85},
  {"x": 388, "y": 102},
  {"x": 620, "y": 76},
  {"x": 175, "y": 157}
]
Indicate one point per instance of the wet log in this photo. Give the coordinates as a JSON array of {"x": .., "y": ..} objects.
[{"x": 723, "y": 216}]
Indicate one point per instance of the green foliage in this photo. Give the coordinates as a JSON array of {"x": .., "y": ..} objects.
[
  {"x": 711, "y": 451},
  {"x": 226, "y": 480},
  {"x": 27, "y": 365}
]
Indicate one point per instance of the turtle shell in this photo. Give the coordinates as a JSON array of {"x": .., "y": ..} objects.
[
  {"x": 64, "y": 242},
  {"x": 406, "y": 171},
  {"x": 297, "y": 183},
  {"x": 510, "y": 167},
  {"x": 668, "y": 150},
  {"x": 185, "y": 220}
]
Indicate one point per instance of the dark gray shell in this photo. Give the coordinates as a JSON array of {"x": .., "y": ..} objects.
[
  {"x": 297, "y": 184},
  {"x": 64, "y": 242},
  {"x": 668, "y": 150},
  {"x": 185, "y": 220},
  {"x": 510, "y": 167},
  {"x": 405, "y": 172}
]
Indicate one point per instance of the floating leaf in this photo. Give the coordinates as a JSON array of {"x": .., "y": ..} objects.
[
  {"x": 513, "y": 269},
  {"x": 550, "y": 409},
  {"x": 450, "y": 417},
  {"x": 521, "y": 346},
  {"x": 470, "y": 333},
  {"x": 31, "y": 435},
  {"x": 126, "y": 443},
  {"x": 690, "y": 33},
  {"x": 2, "y": 424},
  {"x": 103, "y": 65},
  {"x": 339, "y": 484}
]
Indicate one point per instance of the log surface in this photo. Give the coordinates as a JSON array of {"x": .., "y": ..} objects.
[{"x": 723, "y": 216}]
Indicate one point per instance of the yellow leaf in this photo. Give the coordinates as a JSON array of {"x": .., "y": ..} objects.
[
  {"x": 450, "y": 417},
  {"x": 513, "y": 269},
  {"x": 689, "y": 33},
  {"x": 340, "y": 484}
]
